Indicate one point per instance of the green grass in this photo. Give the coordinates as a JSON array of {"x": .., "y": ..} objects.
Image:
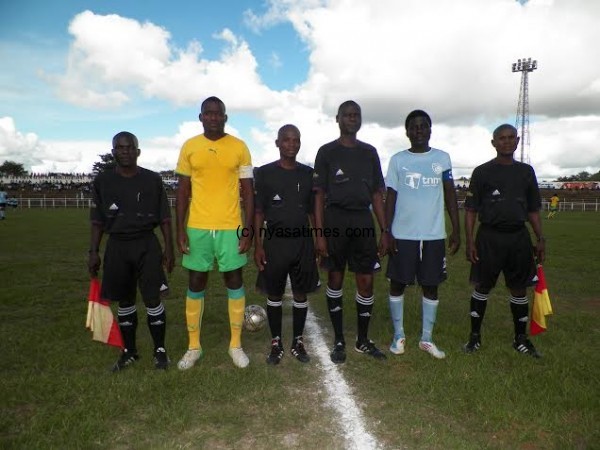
[{"x": 57, "y": 391}]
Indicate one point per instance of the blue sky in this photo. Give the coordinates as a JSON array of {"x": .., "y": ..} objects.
[{"x": 76, "y": 72}]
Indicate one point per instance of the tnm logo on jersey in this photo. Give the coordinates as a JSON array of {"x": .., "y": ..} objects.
[{"x": 414, "y": 180}]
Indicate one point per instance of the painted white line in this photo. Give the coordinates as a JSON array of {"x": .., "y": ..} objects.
[{"x": 340, "y": 394}]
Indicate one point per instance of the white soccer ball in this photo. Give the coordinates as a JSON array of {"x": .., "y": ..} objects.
[{"x": 255, "y": 318}]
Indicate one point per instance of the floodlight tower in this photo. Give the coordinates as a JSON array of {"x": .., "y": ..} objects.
[{"x": 524, "y": 66}]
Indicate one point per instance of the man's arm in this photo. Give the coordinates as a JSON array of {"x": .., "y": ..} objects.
[
  {"x": 94, "y": 262},
  {"x": 247, "y": 192},
  {"x": 259, "y": 250},
  {"x": 390, "y": 211},
  {"x": 535, "y": 221},
  {"x": 168, "y": 254},
  {"x": 379, "y": 210},
  {"x": 321, "y": 243},
  {"x": 452, "y": 208},
  {"x": 182, "y": 204},
  {"x": 471, "y": 250}
]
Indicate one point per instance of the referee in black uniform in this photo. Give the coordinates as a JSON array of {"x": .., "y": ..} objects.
[
  {"x": 129, "y": 203},
  {"x": 504, "y": 194},
  {"x": 284, "y": 199},
  {"x": 348, "y": 180}
]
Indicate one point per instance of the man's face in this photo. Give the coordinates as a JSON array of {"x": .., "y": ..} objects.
[
  {"x": 418, "y": 131},
  {"x": 506, "y": 141},
  {"x": 288, "y": 143},
  {"x": 349, "y": 119},
  {"x": 125, "y": 152},
  {"x": 213, "y": 118}
]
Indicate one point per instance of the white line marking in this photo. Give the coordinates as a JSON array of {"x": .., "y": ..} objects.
[{"x": 340, "y": 393}]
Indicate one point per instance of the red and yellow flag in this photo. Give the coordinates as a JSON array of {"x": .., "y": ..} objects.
[
  {"x": 100, "y": 319},
  {"x": 541, "y": 304}
]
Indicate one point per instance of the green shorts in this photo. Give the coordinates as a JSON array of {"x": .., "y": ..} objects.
[{"x": 206, "y": 245}]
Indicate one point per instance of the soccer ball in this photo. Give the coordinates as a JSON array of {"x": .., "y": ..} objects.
[{"x": 255, "y": 318}]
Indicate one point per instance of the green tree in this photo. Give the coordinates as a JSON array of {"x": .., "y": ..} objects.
[
  {"x": 12, "y": 168},
  {"x": 107, "y": 162}
]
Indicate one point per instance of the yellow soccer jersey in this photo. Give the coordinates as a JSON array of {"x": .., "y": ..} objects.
[
  {"x": 554, "y": 201},
  {"x": 215, "y": 168}
]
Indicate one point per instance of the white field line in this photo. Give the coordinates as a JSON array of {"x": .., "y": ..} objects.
[{"x": 338, "y": 390}]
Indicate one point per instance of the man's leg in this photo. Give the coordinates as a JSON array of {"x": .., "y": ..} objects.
[
  {"x": 396, "y": 301},
  {"x": 333, "y": 294},
  {"x": 364, "y": 310},
  {"x": 430, "y": 304},
  {"x": 194, "y": 310},
  {"x": 236, "y": 306}
]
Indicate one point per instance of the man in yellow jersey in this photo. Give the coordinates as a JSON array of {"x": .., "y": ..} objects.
[
  {"x": 553, "y": 206},
  {"x": 211, "y": 169}
]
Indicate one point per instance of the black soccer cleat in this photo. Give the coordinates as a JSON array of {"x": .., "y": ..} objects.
[
  {"x": 125, "y": 360},
  {"x": 276, "y": 352},
  {"x": 474, "y": 343},
  {"x": 161, "y": 360},
  {"x": 368, "y": 348},
  {"x": 299, "y": 351},
  {"x": 338, "y": 354},
  {"x": 524, "y": 345}
]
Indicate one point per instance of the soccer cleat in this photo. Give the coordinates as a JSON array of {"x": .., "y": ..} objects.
[
  {"x": 338, "y": 354},
  {"x": 276, "y": 352},
  {"x": 188, "y": 360},
  {"x": 125, "y": 360},
  {"x": 368, "y": 348},
  {"x": 397, "y": 347},
  {"x": 474, "y": 343},
  {"x": 161, "y": 360},
  {"x": 524, "y": 345},
  {"x": 431, "y": 348},
  {"x": 239, "y": 357},
  {"x": 299, "y": 351}
]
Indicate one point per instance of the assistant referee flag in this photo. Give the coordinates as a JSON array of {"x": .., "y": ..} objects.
[
  {"x": 100, "y": 319},
  {"x": 541, "y": 304}
]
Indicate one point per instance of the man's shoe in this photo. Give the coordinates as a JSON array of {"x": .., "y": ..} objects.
[
  {"x": 368, "y": 348},
  {"x": 161, "y": 360},
  {"x": 397, "y": 347},
  {"x": 188, "y": 360},
  {"x": 524, "y": 345},
  {"x": 299, "y": 351},
  {"x": 125, "y": 360},
  {"x": 474, "y": 343},
  {"x": 432, "y": 349},
  {"x": 239, "y": 357},
  {"x": 276, "y": 352},
  {"x": 338, "y": 354}
]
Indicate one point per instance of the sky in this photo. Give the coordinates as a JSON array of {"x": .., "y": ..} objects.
[{"x": 73, "y": 73}]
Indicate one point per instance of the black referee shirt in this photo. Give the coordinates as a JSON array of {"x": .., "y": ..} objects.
[
  {"x": 129, "y": 207},
  {"x": 503, "y": 195},
  {"x": 284, "y": 196},
  {"x": 348, "y": 175}
]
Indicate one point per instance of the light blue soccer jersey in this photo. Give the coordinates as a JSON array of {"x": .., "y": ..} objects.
[
  {"x": 3, "y": 196},
  {"x": 418, "y": 180}
]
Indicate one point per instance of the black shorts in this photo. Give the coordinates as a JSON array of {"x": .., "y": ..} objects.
[
  {"x": 423, "y": 260},
  {"x": 132, "y": 263},
  {"x": 288, "y": 256},
  {"x": 507, "y": 252},
  {"x": 351, "y": 241}
]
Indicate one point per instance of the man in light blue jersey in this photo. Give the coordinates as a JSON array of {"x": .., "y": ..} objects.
[{"x": 419, "y": 183}]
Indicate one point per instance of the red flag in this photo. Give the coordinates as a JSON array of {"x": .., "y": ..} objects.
[
  {"x": 100, "y": 319},
  {"x": 541, "y": 304}
]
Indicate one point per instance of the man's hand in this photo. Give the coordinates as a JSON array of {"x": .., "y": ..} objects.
[
  {"x": 245, "y": 244},
  {"x": 168, "y": 260},
  {"x": 183, "y": 243},
  {"x": 260, "y": 258},
  {"x": 453, "y": 243},
  {"x": 471, "y": 252},
  {"x": 94, "y": 263}
]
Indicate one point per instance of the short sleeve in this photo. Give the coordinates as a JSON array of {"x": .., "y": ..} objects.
[
  {"x": 183, "y": 162},
  {"x": 245, "y": 163},
  {"x": 378, "y": 180},
  {"x": 320, "y": 171},
  {"x": 391, "y": 178}
]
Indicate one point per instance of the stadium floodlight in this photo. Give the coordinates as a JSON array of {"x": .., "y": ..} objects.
[{"x": 525, "y": 66}]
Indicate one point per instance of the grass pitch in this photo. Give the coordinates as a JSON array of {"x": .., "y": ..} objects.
[{"x": 57, "y": 391}]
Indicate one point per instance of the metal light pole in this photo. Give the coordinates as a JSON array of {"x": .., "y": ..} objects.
[{"x": 524, "y": 66}]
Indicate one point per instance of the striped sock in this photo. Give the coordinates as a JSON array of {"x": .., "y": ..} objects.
[
  {"x": 194, "y": 310},
  {"x": 519, "y": 306},
  {"x": 157, "y": 324},
  {"x": 235, "y": 306},
  {"x": 274, "y": 313},
  {"x": 364, "y": 308},
  {"x": 299, "y": 312},
  {"x": 478, "y": 307},
  {"x": 128, "y": 320},
  {"x": 334, "y": 304}
]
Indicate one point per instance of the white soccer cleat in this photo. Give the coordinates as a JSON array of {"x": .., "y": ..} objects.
[
  {"x": 189, "y": 359},
  {"x": 239, "y": 357},
  {"x": 431, "y": 348},
  {"x": 397, "y": 347}
]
